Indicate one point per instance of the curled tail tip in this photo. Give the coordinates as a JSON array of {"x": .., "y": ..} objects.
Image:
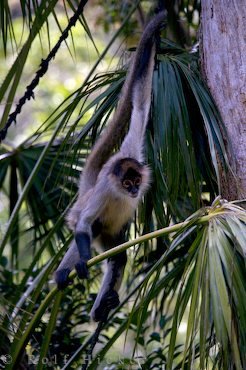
[{"x": 158, "y": 22}]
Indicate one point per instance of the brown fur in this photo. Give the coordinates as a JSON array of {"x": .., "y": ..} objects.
[
  {"x": 103, "y": 202},
  {"x": 115, "y": 131}
]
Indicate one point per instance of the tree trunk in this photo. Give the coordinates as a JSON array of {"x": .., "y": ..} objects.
[{"x": 223, "y": 60}]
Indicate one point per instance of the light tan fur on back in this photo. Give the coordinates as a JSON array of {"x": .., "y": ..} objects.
[{"x": 112, "y": 185}]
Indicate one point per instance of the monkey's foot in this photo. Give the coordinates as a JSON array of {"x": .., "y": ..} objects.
[
  {"x": 109, "y": 301},
  {"x": 82, "y": 269},
  {"x": 62, "y": 278}
]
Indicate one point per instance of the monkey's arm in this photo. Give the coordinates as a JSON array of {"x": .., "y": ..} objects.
[
  {"x": 139, "y": 76},
  {"x": 79, "y": 251},
  {"x": 67, "y": 264}
]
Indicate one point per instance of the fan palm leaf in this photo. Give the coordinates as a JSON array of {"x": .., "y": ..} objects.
[{"x": 192, "y": 272}]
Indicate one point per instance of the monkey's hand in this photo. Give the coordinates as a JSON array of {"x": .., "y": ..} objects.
[
  {"x": 76, "y": 257},
  {"x": 82, "y": 269},
  {"x": 62, "y": 278},
  {"x": 62, "y": 275},
  {"x": 109, "y": 301}
]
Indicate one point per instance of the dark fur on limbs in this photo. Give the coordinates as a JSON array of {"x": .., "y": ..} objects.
[
  {"x": 113, "y": 182},
  {"x": 83, "y": 247},
  {"x": 83, "y": 243},
  {"x": 110, "y": 298}
]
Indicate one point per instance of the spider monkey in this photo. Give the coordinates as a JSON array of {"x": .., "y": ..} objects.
[{"x": 112, "y": 185}]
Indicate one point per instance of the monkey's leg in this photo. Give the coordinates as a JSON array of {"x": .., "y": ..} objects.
[{"x": 108, "y": 297}]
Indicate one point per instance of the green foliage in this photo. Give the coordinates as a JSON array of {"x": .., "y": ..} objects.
[{"x": 183, "y": 301}]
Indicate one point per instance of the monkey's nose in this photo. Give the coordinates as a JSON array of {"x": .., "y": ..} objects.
[{"x": 134, "y": 192}]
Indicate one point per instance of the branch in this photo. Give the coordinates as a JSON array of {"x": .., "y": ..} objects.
[
  {"x": 93, "y": 261},
  {"x": 153, "y": 235}
]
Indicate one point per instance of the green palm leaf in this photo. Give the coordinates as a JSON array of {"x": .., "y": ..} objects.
[{"x": 191, "y": 274}]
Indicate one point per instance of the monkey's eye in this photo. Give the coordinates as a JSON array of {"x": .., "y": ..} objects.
[
  {"x": 127, "y": 183},
  {"x": 137, "y": 181}
]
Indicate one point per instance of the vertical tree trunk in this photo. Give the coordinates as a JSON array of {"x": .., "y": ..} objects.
[{"x": 223, "y": 59}]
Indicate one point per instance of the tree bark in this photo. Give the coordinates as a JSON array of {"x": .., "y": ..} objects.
[{"x": 223, "y": 60}]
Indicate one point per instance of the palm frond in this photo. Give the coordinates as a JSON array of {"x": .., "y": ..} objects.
[
  {"x": 193, "y": 274},
  {"x": 11, "y": 81},
  {"x": 186, "y": 134},
  {"x": 207, "y": 285}
]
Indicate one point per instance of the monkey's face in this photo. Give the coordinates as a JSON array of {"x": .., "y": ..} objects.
[
  {"x": 128, "y": 176},
  {"x": 132, "y": 184}
]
